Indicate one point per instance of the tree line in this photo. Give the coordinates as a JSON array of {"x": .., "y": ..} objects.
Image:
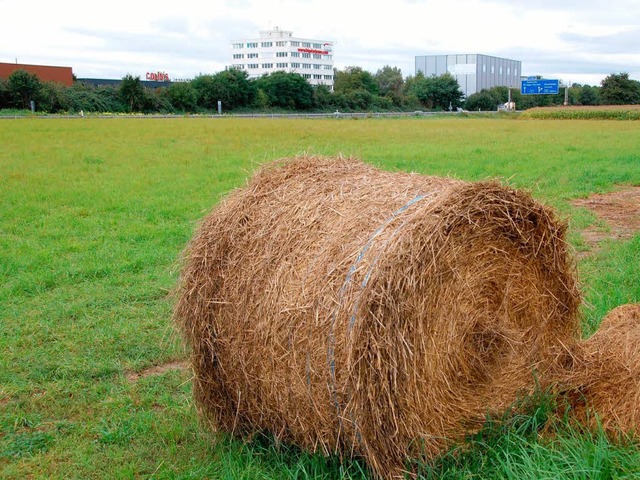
[{"x": 354, "y": 89}]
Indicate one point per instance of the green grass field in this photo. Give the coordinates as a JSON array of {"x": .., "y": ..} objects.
[{"x": 95, "y": 212}]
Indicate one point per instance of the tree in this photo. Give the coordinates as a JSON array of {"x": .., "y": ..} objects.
[
  {"x": 183, "y": 96},
  {"x": 354, "y": 78},
  {"x": 483, "y": 100},
  {"x": 619, "y": 89},
  {"x": 286, "y": 90},
  {"x": 322, "y": 97},
  {"x": 232, "y": 87},
  {"x": 24, "y": 87},
  {"x": 5, "y": 95},
  {"x": 437, "y": 92},
  {"x": 131, "y": 93},
  {"x": 54, "y": 97},
  {"x": 204, "y": 86},
  {"x": 390, "y": 83},
  {"x": 589, "y": 95}
]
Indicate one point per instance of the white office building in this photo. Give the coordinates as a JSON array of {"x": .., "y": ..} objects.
[{"x": 278, "y": 50}]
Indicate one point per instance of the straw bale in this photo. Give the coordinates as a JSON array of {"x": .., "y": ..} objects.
[
  {"x": 603, "y": 385},
  {"x": 355, "y": 311}
]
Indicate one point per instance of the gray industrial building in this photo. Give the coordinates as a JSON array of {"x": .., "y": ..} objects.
[{"x": 473, "y": 71}]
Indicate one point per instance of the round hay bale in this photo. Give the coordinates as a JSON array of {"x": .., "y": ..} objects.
[
  {"x": 604, "y": 382},
  {"x": 355, "y": 311}
]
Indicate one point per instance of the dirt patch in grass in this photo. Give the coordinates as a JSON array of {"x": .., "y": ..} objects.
[
  {"x": 157, "y": 370},
  {"x": 620, "y": 210}
]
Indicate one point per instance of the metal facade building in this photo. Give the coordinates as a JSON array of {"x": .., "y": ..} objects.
[{"x": 473, "y": 71}]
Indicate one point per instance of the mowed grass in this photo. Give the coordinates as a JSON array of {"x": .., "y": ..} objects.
[{"x": 95, "y": 212}]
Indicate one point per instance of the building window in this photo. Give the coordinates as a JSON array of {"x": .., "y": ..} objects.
[
  {"x": 252, "y": 45},
  {"x": 306, "y": 44},
  {"x": 327, "y": 57},
  {"x": 295, "y": 54},
  {"x": 266, "y": 44},
  {"x": 316, "y": 66},
  {"x": 327, "y": 67},
  {"x": 282, "y": 54},
  {"x": 237, "y": 56},
  {"x": 515, "y": 72},
  {"x": 317, "y": 77},
  {"x": 317, "y": 45},
  {"x": 508, "y": 70},
  {"x": 238, "y": 67},
  {"x": 281, "y": 44},
  {"x": 317, "y": 55},
  {"x": 295, "y": 65},
  {"x": 493, "y": 70},
  {"x": 306, "y": 65},
  {"x": 267, "y": 65},
  {"x": 252, "y": 66},
  {"x": 484, "y": 68},
  {"x": 282, "y": 65},
  {"x": 252, "y": 55},
  {"x": 328, "y": 77},
  {"x": 294, "y": 43},
  {"x": 306, "y": 55},
  {"x": 306, "y": 76},
  {"x": 238, "y": 45}
]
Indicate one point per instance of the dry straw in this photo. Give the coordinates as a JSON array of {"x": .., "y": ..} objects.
[
  {"x": 603, "y": 385},
  {"x": 355, "y": 311}
]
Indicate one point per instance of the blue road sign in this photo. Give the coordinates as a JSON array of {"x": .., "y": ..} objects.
[{"x": 541, "y": 86}]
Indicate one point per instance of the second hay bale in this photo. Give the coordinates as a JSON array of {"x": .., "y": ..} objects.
[
  {"x": 352, "y": 310},
  {"x": 603, "y": 384}
]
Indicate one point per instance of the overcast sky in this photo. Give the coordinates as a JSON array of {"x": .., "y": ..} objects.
[{"x": 574, "y": 40}]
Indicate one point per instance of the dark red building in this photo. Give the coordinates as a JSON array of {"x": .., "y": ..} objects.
[{"x": 63, "y": 75}]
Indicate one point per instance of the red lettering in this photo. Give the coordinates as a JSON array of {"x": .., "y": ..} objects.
[
  {"x": 158, "y": 76},
  {"x": 311, "y": 50}
]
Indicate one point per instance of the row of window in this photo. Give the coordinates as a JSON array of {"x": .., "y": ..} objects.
[
  {"x": 493, "y": 70},
  {"x": 291, "y": 43},
  {"x": 315, "y": 66},
  {"x": 305, "y": 66},
  {"x": 307, "y": 76},
  {"x": 316, "y": 56}
]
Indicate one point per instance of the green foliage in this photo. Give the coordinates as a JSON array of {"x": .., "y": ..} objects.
[
  {"x": 286, "y": 90},
  {"x": 232, "y": 87},
  {"x": 390, "y": 84},
  {"x": 353, "y": 79},
  {"x": 619, "y": 89},
  {"x": 131, "y": 93},
  {"x": 588, "y": 95},
  {"x": 5, "y": 94},
  {"x": 322, "y": 97},
  {"x": 485, "y": 100},
  {"x": 24, "y": 87},
  {"x": 440, "y": 92},
  {"x": 183, "y": 96},
  {"x": 355, "y": 90}
]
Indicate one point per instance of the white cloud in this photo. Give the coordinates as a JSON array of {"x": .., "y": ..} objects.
[{"x": 572, "y": 39}]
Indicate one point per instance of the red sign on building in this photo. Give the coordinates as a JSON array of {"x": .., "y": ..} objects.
[{"x": 158, "y": 76}]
